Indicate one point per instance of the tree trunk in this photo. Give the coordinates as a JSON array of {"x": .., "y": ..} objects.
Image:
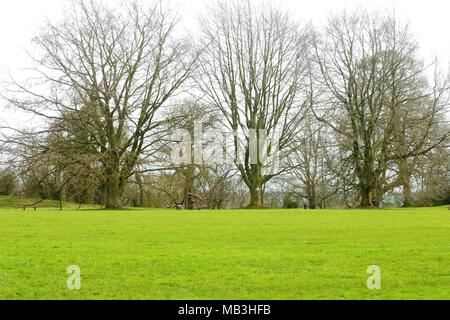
[
  {"x": 405, "y": 179},
  {"x": 141, "y": 191},
  {"x": 312, "y": 203},
  {"x": 256, "y": 196},
  {"x": 368, "y": 184},
  {"x": 188, "y": 186},
  {"x": 366, "y": 197},
  {"x": 407, "y": 193},
  {"x": 113, "y": 192},
  {"x": 188, "y": 192},
  {"x": 312, "y": 196}
]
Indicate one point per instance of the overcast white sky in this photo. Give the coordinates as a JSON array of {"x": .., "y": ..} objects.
[{"x": 430, "y": 21}]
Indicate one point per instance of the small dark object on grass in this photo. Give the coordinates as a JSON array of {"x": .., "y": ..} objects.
[{"x": 178, "y": 206}]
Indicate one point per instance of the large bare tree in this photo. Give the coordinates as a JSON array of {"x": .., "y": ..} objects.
[
  {"x": 106, "y": 71},
  {"x": 377, "y": 98},
  {"x": 252, "y": 69}
]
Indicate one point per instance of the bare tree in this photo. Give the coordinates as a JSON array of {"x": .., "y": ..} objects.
[
  {"x": 310, "y": 175},
  {"x": 417, "y": 115},
  {"x": 370, "y": 71},
  {"x": 428, "y": 177},
  {"x": 186, "y": 117},
  {"x": 108, "y": 73},
  {"x": 251, "y": 70}
]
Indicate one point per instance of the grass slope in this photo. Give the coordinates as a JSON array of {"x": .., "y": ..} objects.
[
  {"x": 18, "y": 202},
  {"x": 267, "y": 254}
]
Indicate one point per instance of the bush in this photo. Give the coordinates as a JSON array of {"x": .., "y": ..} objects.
[
  {"x": 8, "y": 183},
  {"x": 290, "y": 203}
]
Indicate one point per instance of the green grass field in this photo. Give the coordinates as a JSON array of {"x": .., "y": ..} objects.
[{"x": 265, "y": 254}]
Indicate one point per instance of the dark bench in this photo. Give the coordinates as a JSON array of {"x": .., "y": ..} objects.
[{"x": 31, "y": 206}]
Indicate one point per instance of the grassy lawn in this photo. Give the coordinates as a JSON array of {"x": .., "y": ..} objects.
[{"x": 266, "y": 254}]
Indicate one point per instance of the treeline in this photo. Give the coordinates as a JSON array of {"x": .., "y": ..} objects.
[{"x": 359, "y": 118}]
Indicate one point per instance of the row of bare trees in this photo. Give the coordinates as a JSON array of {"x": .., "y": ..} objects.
[{"x": 353, "y": 110}]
